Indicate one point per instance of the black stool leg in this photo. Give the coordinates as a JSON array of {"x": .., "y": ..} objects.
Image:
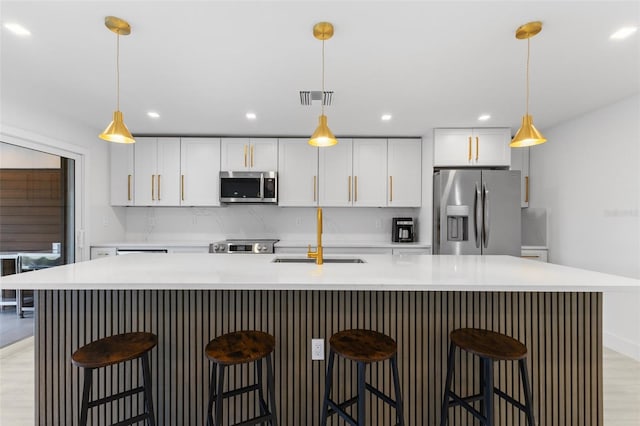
[
  {"x": 482, "y": 383},
  {"x": 148, "y": 396},
  {"x": 527, "y": 391},
  {"x": 86, "y": 389},
  {"x": 261, "y": 401},
  {"x": 327, "y": 389},
  {"x": 444, "y": 414},
  {"x": 487, "y": 391},
  {"x": 221, "y": 369},
  {"x": 396, "y": 385},
  {"x": 361, "y": 395},
  {"x": 272, "y": 392},
  {"x": 212, "y": 394}
]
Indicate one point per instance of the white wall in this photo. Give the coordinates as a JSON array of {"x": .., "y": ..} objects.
[
  {"x": 587, "y": 175},
  {"x": 16, "y": 157}
]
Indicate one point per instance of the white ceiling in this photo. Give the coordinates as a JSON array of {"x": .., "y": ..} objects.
[{"x": 203, "y": 64}]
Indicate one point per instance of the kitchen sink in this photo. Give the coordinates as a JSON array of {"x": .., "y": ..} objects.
[{"x": 309, "y": 260}]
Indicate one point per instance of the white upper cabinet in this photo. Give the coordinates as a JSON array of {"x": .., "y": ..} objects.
[
  {"x": 297, "y": 173},
  {"x": 157, "y": 171},
  {"x": 370, "y": 172},
  {"x": 520, "y": 161},
  {"x": 479, "y": 147},
  {"x": 353, "y": 173},
  {"x": 122, "y": 177},
  {"x": 404, "y": 166},
  {"x": 335, "y": 168},
  {"x": 200, "y": 172},
  {"x": 239, "y": 154}
]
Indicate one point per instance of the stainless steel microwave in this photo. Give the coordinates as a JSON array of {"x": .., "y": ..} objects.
[{"x": 249, "y": 187}]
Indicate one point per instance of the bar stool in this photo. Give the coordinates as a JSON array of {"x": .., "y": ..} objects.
[
  {"x": 235, "y": 348},
  {"x": 490, "y": 347},
  {"x": 114, "y": 350},
  {"x": 363, "y": 347}
]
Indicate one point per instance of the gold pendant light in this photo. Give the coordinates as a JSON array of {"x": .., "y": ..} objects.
[
  {"x": 117, "y": 131},
  {"x": 323, "y": 137},
  {"x": 528, "y": 135}
]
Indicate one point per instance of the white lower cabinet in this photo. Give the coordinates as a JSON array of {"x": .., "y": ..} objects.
[
  {"x": 200, "y": 172},
  {"x": 297, "y": 173},
  {"x": 535, "y": 254}
]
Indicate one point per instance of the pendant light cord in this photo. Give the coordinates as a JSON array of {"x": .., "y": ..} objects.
[
  {"x": 322, "y": 77},
  {"x": 528, "y": 54},
  {"x": 118, "y": 72}
]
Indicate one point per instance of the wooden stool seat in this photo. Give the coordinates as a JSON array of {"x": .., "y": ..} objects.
[
  {"x": 240, "y": 347},
  {"x": 114, "y": 349},
  {"x": 488, "y": 344},
  {"x": 363, "y": 345}
]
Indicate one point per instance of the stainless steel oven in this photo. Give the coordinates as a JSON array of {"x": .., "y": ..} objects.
[{"x": 249, "y": 187}]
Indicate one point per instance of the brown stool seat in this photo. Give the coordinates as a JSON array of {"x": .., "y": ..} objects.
[
  {"x": 114, "y": 349},
  {"x": 240, "y": 347},
  {"x": 363, "y": 345},
  {"x": 488, "y": 344}
]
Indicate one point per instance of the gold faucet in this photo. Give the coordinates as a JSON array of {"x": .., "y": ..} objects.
[{"x": 317, "y": 255}]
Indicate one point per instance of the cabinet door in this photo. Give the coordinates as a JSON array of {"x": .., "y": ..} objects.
[
  {"x": 335, "y": 174},
  {"x": 200, "y": 172},
  {"x": 234, "y": 154},
  {"x": 491, "y": 147},
  {"x": 263, "y": 154},
  {"x": 370, "y": 172},
  {"x": 404, "y": 163},
  {"x": 520, "y": 161},
  {"x": 168, "y": 172},
  {"x": 122, "y": 176},
  {"x": 297, "y": 173},
  {"x": 145, "y": 160},
  {"x": 453, "y": 148}
]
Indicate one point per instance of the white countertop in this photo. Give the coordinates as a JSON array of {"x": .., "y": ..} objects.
[{"x": 258, "y": 272}]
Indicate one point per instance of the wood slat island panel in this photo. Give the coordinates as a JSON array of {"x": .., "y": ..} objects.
[{"x": 563, "y": 332}]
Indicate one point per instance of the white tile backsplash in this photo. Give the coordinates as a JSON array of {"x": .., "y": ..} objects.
[{"x": 150, "y": 224}]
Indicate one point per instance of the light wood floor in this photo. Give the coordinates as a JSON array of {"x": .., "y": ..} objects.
[{"x": 621, "y": 387}]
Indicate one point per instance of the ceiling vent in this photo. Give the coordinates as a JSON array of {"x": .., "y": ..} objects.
[{"x": 308, "y": 96}]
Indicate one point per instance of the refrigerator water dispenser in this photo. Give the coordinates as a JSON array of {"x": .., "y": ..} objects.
[{"x": 457, "y": 223}]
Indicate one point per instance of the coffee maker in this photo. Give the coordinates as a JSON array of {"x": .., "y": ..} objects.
[{"x": 403, "y": 230}]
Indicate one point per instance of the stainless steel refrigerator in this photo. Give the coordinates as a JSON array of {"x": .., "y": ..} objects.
[{"x": 476, "y": 212}]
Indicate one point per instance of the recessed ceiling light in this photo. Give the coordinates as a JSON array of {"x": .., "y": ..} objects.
[
  {"x": 153, "y": 114},
  {"x": 17, "y": 29},
  {"x": 484, "y": 117},
  {"x": 250, "y": 116},
  {"x": 385, "y": 117},
  {"x": 623, "y": 33}
]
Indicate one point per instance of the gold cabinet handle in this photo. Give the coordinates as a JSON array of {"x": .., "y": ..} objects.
[
  {"x": 182, "y": 187},
  {"x": 128, "y": 187},
  {"x": 469, "y": 148},
  {"x": 314, "y": 188},
  {"x": 245, "y": 156},
  {"x": 252, "y": 148},
  {"x": 153, "y": 186},
  {"x": 349, "y": 187},
  {"x": 355, "y": 189},
  {"x": 526, "y": 189},
  {"x": 477, "y": 147},
  {"x": 158, "y": 187},
  {"x": 390, "y": 188}
]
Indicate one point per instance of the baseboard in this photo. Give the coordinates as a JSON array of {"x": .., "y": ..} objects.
[{"x": 621, "y": 345}]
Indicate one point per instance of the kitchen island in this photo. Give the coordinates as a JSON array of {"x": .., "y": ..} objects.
[{"x": 189, "y": 299}]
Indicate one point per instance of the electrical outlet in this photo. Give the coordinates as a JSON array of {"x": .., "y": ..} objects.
[
  {"x": 317, "y": 349},
  {"x": 378, "y": 224}
]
